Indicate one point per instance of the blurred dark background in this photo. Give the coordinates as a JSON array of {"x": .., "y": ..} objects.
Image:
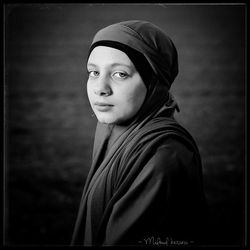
[{"x": 48, "y": 125}]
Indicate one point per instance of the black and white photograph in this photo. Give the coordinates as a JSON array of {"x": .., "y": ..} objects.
[{"x": 124, "y": 124}]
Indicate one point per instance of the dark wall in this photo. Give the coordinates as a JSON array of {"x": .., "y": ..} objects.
[{"x": 48, "y": 125}]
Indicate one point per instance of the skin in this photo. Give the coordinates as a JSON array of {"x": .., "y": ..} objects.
[{"x": 115, "y": 89}]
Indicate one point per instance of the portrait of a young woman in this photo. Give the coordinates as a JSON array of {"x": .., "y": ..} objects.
[{"x": 146, "y": 176}]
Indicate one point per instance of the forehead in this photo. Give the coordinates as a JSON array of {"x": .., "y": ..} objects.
[{"x": 107, "y": 55}]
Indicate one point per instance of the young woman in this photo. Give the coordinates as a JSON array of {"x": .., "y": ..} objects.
[{"x": 145, "y": 182}]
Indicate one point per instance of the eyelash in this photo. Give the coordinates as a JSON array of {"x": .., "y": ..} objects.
[
  {"x": 92, "y": 71},
  {"x": 125, "y": 75}
]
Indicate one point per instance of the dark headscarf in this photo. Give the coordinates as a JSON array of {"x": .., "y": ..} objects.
[
  {"x": 125, "y": 148},
  {"x": 160, "y": 52},
  {"x": 148, "y": 39}
]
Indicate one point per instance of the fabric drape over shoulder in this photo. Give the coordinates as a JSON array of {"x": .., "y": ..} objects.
[{"x": 145, "y": 182}]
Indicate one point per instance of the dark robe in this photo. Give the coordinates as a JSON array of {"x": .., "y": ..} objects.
[
  {"x": 148, "y": 184},
  {"x": 145, "y": 183}
]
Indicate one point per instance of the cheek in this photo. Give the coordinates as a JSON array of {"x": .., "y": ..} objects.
[
  {"x": 89, "y": 91},
  {"x": 138, "y": 94},
  {"x": 135, "y": 97}
]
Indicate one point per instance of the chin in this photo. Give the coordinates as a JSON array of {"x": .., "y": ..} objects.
[{"x": 106, "y": 119}]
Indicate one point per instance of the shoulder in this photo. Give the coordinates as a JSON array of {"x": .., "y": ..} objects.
[
  {"x": 174, "y": 148},
  {"x": 172, "y": 157}
]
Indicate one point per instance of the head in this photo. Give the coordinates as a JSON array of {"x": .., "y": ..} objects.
[
  {"x": 131, "y": 66},
  {"x": 115, "y": 88}
]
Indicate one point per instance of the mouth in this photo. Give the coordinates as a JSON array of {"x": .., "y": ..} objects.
[{"x": 103, "y": 106}]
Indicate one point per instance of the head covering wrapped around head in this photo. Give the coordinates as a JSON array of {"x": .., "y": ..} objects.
[
  {"x": 148, "y": 39},
  {"x": 159, "y": 51}
]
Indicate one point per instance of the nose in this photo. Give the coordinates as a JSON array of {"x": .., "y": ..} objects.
[{"x": 102, "y": 87}]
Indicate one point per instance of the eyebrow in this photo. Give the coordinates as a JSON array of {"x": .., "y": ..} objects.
[{"x": 112, "y": 65}]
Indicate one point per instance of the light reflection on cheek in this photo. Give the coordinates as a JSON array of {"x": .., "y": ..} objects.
[{"x": 89, "y": 92}]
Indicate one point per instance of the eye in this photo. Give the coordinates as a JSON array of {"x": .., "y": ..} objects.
[
  {"x": 93, "y": 73},
  {"x": 121, "y": 75}
]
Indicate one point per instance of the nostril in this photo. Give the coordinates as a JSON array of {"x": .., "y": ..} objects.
[{"x": 102, "y": 92}]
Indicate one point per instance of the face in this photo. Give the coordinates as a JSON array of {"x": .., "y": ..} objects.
[{"x": 115, "y": 89}]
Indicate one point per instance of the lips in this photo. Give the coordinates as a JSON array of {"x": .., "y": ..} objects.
[{"x": 103, "y": 106}]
